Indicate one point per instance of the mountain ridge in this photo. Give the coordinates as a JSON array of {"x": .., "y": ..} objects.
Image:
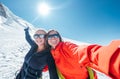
[{"x": 9, "y": 21}]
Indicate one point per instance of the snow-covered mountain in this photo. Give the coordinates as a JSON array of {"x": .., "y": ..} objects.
[
  {"x": 13, "y": 45},
  {"x": 9, "y": 21}
]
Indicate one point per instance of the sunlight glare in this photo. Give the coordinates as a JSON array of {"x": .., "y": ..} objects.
[{"x": 43, "y": 9}]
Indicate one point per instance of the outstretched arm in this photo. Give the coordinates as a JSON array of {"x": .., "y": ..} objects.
[
  {"x": 105, "y": 59},
  {"x": 28, "y": 37}
]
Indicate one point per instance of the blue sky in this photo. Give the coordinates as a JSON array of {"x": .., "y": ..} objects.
[{"x": 91, "y": 21}]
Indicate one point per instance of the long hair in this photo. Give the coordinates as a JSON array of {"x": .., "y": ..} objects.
[{"x": 48, "y": 46}]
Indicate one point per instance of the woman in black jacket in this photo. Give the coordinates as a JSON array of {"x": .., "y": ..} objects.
[{"x": 37, "y": 58}]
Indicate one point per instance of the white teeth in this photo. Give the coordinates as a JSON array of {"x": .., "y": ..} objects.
[{"x": 53, "y": 41}]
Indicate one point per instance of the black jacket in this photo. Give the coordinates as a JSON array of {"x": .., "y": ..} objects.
[{"x": 34, "y": 62}]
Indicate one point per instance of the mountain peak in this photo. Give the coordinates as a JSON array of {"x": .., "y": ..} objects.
[
  {"x": 9, "y": 21},
  {"x": 2, "y": 11}
]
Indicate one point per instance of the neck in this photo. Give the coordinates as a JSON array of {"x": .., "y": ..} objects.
[
  {"x": 40, "y": 48},
  {"x": 53, "y": 47}
]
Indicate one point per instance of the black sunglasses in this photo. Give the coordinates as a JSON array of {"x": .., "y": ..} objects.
[
  {"x": 53, "y": 36},
  {"x": 39, "y": 36}
]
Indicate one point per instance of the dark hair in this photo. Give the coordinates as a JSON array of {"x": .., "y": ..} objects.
[{"x": 47, "y": 37}]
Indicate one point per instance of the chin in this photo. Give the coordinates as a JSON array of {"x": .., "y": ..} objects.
[{"x": 40, "y": 44}]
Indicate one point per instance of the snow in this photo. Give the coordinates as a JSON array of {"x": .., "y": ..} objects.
[{"x": 13, "y": 46}]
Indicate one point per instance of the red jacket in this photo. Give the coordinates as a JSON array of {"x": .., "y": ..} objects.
[
  {"x": 103, "y": 58},
  {"x": 67, "y": 62}
]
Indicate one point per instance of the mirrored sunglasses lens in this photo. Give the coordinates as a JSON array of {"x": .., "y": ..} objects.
[
  {"x": 39, "y": 36},
  {"x": 49, "y": 37},
  {"x": 35, "y": 36},
  {"x": 53, "y": 36}
]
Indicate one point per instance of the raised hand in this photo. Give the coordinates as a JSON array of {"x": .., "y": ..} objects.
[{"x": 26, "y": 29}]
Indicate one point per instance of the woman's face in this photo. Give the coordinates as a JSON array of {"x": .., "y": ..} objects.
[
  {"x": 53, "y": 39},
  {"x": 39, "y": 37}
]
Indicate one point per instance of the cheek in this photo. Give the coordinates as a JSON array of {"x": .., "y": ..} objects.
[
  {"x": 58, "y": 40},
  {"x": 36, "y": 40},
  {"x": 49, "y": 42},
  {"x": 44, "y": 40}
]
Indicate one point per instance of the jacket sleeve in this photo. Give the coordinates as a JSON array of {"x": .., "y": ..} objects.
[
  {"x": 28, "y": 38},
  {"x": 73, "y": 50},
  {"x": 52, "y": 68},
  {"x": 103, "y": 58},
  {"x": 70, "y": 48}
]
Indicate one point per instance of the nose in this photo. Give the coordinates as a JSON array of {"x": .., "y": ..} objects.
[
  {"x": 39, "y": 38},
  {"x": 53, "y": 37}
]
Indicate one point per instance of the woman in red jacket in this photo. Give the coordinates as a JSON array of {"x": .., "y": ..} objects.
[{"x": 72, "y": 60}]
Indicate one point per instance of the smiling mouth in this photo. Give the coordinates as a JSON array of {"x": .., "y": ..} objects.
[{"x": 53, "y": 41}]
